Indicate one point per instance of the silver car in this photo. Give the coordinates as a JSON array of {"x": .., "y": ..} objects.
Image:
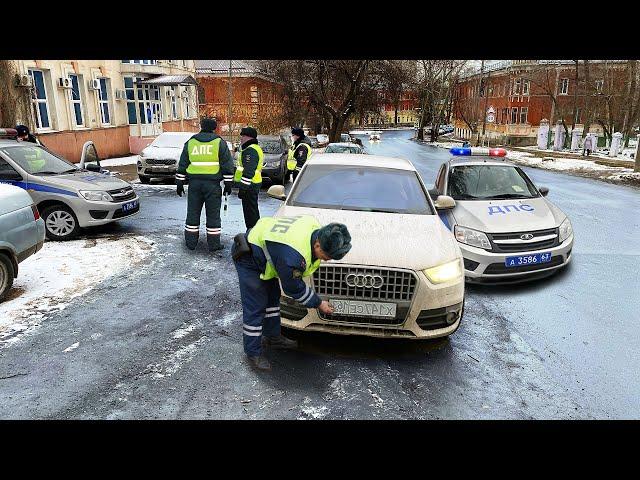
[
  {"x": 68, "y": 197},
  {"x": 21, "y": 232},
  {"x": 160, "y": 159},
  {"x": 507, "y": 230}
]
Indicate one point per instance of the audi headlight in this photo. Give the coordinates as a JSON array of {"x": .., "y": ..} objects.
[
  {"x": 566, "y": 230},
  {"x": 94, "y": 196},
  {"x": 472, "y": 237},
  {"x": 445, "y": 272}
]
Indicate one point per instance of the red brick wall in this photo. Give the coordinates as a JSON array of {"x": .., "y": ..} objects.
[{"x": 109, "y": 142}]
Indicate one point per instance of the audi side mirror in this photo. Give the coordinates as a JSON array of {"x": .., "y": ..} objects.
[
  {"x": 277, "y": 191},
  {"x": 544, "y": 191},
  {"x": 445, "y": 202}
]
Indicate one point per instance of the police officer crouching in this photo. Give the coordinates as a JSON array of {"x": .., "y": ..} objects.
[
  {"x": 249, "y": 174},
  {"x": 288, "y": 249},
  {"x": 299, "y": 152},
  {"x": 205, "y": 161}
]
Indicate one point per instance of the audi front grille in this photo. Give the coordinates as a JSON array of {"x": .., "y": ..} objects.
[
  {"x": 156, "y": 161},
  {"x": 524, "y": 241}
]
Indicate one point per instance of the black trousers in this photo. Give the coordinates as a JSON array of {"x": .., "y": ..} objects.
[
  {"x": 250, "y": 206},
  {"x": 209, "y": 194}
]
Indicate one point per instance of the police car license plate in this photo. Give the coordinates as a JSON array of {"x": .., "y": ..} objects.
[
  {"x": 127, "y": 207},
  {"x": 358, "y": 308},
  {"x": 532, "y": 259}
]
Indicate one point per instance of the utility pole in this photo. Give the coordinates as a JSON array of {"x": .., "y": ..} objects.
[{"x": 230, "y": 101}]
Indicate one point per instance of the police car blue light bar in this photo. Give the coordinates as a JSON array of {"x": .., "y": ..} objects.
[{"x": 468, "y": 151}]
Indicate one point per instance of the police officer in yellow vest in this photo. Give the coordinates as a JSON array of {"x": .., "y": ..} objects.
[
  {"x": 286, "y": 249},
  {"x": 299, "y": 152},
  {"x": 249, "y": 174},
  {"x": 205, "y": 161}
]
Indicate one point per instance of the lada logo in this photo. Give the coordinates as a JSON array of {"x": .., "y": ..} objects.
[
  {"x": 362, "y": 280},
  {"x": 526, "y": 236}
]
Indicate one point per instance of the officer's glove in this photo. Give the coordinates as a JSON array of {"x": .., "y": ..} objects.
[
  {"x": 242, "y": 192},
  {"x": 179, "y": 188},
  {"x": 227, "y": 188}
]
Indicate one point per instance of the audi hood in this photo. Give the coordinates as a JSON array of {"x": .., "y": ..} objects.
[
  {"x": 505, "y": 216},
  {"x": 391, "y": 240},
  {"x": 161, "y": 153}
]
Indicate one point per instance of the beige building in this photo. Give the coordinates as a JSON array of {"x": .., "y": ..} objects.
[{"x": 120, "y": 105}]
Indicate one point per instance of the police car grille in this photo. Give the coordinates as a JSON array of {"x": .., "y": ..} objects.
[
  {"x": 548, "y": 238},
  {"x": 155, "y": 161},
  {"x": 122, "y": 194},
  {"x": 397, "y": 285}
]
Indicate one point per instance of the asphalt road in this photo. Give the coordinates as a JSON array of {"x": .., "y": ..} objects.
[{"x": 164, "y": 340}]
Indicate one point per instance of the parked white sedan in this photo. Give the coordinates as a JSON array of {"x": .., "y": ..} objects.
[
  {"x": 403, "y": 276},
  {"x": 160, "y": 159}
]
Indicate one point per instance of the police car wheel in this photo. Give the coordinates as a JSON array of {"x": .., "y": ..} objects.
[
  {"x": 144, "y": 179},
  {"x": 6, "y": 276},
  {"x": 60, "y": 223}
]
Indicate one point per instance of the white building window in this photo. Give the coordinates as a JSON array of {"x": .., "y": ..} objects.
[
  {"x": 76, "y": 100},
  {"x": 517, "y": 88},
  {"x": 564, "y": 86},
  {"x": 40, "y": 99},
  {"x": 142, "y": 62},
  {"x": 524, "y": 113},
  {"x": 103, "y": 100},
  {"x": 599, "y": 85},
  {"x": 514, "y": 115},
  {"x": 174, "y": 103},
  {"x": 188, "y": 109},
  {"x": 526, "y": 85}
]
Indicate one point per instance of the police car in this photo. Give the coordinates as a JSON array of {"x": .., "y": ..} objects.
[
  {"x": 67, "y": 197},
  {"x": 507, "y": 230}
]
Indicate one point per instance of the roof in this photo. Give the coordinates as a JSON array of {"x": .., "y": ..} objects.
[
  {"x": 361, "y": 160},
  {"x": 222, "y": 67},
  {"x": 169, "y": 80}
]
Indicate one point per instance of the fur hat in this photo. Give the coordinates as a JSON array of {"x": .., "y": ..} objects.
[{"x": 335, "y": 240}]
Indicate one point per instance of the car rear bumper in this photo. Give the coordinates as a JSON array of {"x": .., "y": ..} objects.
[{"x": 489, "y": 267}]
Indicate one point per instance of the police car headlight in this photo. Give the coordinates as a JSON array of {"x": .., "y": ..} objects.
[
  {"x": 566, "y": 230},
  {"x": 445, "y": 272},
  {"x": 94, "y": 196},
  {"x": 472, "y": 237}
]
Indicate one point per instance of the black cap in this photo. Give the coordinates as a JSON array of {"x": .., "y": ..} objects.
[
  {"x": 297, "y": 131},
  {"x": 249, "y": 132},
  {"x": 208, "y": 124},
  {"x": 22, "y": 130}
]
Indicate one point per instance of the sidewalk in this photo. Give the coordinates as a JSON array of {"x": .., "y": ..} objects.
[{"x": 598, "y": 166}]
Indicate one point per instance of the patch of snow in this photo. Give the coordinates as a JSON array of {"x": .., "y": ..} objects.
[
  {"x": 119, "y": 161},
  {"x": 49, "y": 280},
  {"x": 314, "y": 413},
  {"x": 72, "y": 347}
]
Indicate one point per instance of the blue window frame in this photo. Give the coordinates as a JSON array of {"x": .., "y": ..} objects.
[
  {"x": 76, "y": 101},
  {"x": 103, "y": 97},
  {"x": 39, "y": 98}
]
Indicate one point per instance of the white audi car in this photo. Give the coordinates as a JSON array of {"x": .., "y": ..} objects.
[{"x": 403, "y": 276}]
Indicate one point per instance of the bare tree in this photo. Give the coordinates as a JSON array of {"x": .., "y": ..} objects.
[{"x": 15, "y": 102}]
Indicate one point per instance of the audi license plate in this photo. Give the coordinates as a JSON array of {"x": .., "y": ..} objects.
[
  {"x": 162, "y": 169},
  {"x": 127, "y": 207},
  {"x": 532, "y": 259},
  {"x": 358, "y": 308}
]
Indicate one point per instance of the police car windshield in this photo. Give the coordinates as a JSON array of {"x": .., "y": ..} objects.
[
  {"x": 489, "y": 182},
  {"x": 35, "y": 160},
  {"x": 342, "y": 149},
  {"x": 364, "y": 189},
  {"x": 270, "y": 146}
]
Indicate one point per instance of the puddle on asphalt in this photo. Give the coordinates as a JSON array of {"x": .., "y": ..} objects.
[{"x": 364, "y": 348}]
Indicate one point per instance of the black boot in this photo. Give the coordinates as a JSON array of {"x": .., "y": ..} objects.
[
  {"x": 260, "y": 362},
  {"x": 280, "y": 342}
]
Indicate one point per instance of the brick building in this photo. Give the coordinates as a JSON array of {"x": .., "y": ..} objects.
[
  {"x": 512, "y": 97},
  {"x": 255, "y": 100},
  {"x": 120, "y": 105}
]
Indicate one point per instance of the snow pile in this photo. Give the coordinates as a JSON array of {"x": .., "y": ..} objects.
[
  {"x": 117, "y": 162},
  {"x": 556, "y": 163},
  {"x": 49, "y": 280}
]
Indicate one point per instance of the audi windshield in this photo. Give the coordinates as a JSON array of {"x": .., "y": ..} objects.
[
  {"x": 367, "y": 189},
  {"x": 489, "y": 182}
]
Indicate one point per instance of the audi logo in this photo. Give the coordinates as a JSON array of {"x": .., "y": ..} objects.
[
  {"x": 362, "y": 280},
  {"x": 526, "y": 236}
]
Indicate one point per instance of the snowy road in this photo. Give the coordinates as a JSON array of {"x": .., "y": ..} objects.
[{"x": 163, "y": 340}]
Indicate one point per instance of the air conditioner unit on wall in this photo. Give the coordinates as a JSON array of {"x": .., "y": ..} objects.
[
  {"x": 94, "y": 84},
  {"x": 171, "y": 93},
  {"x": 24, "y": 80},
  {"x": 121, "y": 95},
  {"x": 65, "y": 82}
]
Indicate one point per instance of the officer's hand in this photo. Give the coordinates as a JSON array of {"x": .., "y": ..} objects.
[
  {"x": 179, "y": 188},
  {"x": 326, "y": 308},
  {"x": 241, "y": 192},
  {"x": 227, "y": 189}
]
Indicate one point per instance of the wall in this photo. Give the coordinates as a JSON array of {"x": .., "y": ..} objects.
[{"x": 111, "y": 142}]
